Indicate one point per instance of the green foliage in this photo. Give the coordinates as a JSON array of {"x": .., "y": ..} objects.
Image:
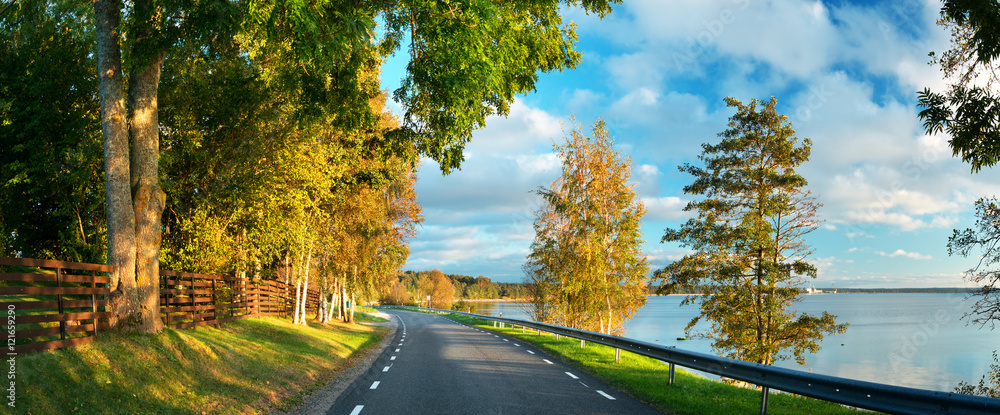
[
  {"x": 586, "y": 266},
  {"x": 968, "y": 110},
  {"x": 989, "y": 384},
  {"x": 750, "y": 256},
  {"x": 985, "y": 236},
  {"x": 51, "y": 181},
  {"x": 469, "y": 59}
]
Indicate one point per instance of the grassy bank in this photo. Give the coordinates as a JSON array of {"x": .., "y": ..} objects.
[
  {"x": 247, "y": 366},
  {"x": 646, "y": 379}
]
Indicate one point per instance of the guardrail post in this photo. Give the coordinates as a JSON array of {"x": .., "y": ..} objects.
[
  {"x": 582, "y": 343},
  {"x": 618, "y": 355},
  {"x": 670, "y": 379},
  {"x": 763, "y": 400},
  {"x": 557, "y": 336}
]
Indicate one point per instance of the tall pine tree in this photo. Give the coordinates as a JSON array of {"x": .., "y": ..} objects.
[{"x": 750, "y": 256}]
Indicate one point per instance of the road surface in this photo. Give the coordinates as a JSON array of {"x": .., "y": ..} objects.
[{"x": 437, "y": 366}]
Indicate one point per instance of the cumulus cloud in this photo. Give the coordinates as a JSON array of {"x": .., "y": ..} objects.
[
  {"x": 664, "y": 208},
  {"x": 902, "y": 253}
]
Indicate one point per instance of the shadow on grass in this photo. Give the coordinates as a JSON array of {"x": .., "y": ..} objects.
[{"x": 239, "y": 367}]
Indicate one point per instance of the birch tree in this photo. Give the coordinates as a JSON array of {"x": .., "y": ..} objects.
[
  {"x": 750, "y": 258},
  {"x": 586, "y": 265}
]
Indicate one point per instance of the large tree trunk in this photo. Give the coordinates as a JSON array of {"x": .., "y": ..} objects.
[
  {"x": 148, "y": 199},
  {"x": 124, "y": 298}
]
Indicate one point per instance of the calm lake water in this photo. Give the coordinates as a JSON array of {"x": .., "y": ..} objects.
[{"x": 914, "y": 340}]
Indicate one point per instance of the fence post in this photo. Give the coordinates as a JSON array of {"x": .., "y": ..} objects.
[
  {"x": 194, "y": 304},
  {"x": 93, "y": 299},
  {"x": 59, "y": 299},
  {"x": 215, "y": 299},
  {"x": 763, "y": 400}
]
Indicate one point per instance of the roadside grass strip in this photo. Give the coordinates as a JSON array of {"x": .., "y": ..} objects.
[
  {"x": 247, "y": 366},
  {"x": 646, "y": 379}
]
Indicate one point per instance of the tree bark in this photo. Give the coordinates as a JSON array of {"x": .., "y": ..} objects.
[
  {"x": 343, "y": 301},
  {"x": 148, "y": 199},
  {"x": 351, "y": 318},
  {"x": 124, "y": 298},
  {"x": 305, "y": 287}
]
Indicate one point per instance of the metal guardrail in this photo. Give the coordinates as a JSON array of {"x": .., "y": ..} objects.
[{"x": 851, "y": 392}]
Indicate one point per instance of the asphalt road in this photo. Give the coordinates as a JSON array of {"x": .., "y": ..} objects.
[{"x": 437, "y": 366}]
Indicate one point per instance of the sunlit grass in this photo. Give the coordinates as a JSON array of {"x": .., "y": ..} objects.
[
  {"x": 646, "y": 379},
  {"x": 246, "y": 366}
]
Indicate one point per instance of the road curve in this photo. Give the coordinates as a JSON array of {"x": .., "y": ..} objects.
[{"x": 437, "y": 366}]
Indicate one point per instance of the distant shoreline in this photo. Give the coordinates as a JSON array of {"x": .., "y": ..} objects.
[
  {"x": 496, "y": 300},
  {"x": 829, "y": 291}
]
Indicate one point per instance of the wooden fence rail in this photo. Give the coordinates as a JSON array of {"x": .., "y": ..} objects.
[
  {"x": 191, "y": 300},
  {"x": 57, "y": 304}
]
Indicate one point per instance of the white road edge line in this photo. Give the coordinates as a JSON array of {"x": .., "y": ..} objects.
[
  {"x": 357, "y": 409},
  {"x": 570, "y": 374},
  {"x": 606, "y": 395},
  {"x": 375, "y": 385}
]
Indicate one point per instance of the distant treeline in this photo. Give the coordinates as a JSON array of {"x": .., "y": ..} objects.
[
  {"x": 418, "y": 286},
  {"x": 830, "y": 290},
  {"x": 937, "y": 290}
]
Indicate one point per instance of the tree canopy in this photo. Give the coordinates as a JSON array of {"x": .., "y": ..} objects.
[
  {"x": 750, "y": 256},
  {"x": 586, "y": 268}
]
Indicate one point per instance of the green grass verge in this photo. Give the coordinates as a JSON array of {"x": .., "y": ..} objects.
[
  {"x": 646, "y": 379},
  {"x": 246, "y": 366}
]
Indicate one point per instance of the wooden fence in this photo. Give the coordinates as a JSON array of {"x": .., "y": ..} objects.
[
  {"x": 56, "y": 304},
  {"x": 191, "y": 300},
  {"x": 62, "y": 306}
]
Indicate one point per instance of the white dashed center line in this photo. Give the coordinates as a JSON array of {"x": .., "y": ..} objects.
[
  {"x": 357, "y": 409},
  {"x": 387, "y": 369},
  {"x": 570, "y": 374},
  {"x": 397, "y": 350},
  {"x": 547, "y": 361},
  {"x": 606, "y": 395},
  {"x": 375, "y": 385},
  {"x": 529, "y": 351},
  {"x": 392, "y": 358}
]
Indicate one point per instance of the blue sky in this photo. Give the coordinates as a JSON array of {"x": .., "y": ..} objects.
[{"x": 846, "y": 75}]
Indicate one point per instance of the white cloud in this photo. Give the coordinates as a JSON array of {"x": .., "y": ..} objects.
[
  {"x": 664, "y": 208},
  {"x": 900, "y": 252}
]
